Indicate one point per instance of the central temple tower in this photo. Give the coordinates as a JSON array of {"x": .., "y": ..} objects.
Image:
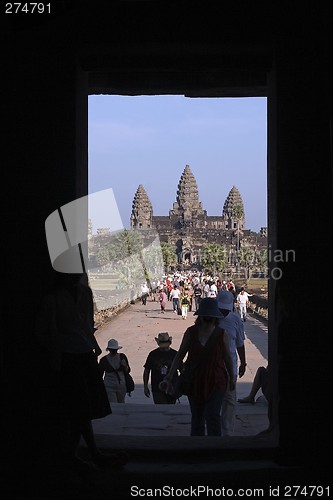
[{"x": 187, "y": 206}]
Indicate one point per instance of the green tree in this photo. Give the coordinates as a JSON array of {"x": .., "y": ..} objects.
[
  {"x": 245, "y": 258},
  {"x": 122, "y": 253},
  {"x": 169, "y": 255},
  {"x": 153, "y": 262},
  {"x": 117, "y": 246},
  {"x": 262, "y": 259},
  {"x": 124, "y": 244},
  {"x": 214, "y": 257},
  {"x": 102, "y": 257}
]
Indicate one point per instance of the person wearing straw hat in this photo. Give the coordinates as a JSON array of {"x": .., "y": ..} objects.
[
  {"x": 207, "y": 348},
  {"x": 113, "y": 367},
  {"x": 157, "y": 365}
]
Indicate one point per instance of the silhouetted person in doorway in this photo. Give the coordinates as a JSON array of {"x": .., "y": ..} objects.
[{"x": 65, "y": 329}]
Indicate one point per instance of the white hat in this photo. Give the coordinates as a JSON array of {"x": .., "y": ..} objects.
[{"x": 113, "y": 344}]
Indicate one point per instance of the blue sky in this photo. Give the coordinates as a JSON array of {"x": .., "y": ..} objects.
[{"x": 148, "y": 140}]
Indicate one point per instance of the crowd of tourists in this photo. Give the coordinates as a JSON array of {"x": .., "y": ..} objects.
[
  {"x": 213, "y": 347},
  {"x": 185, "y": 291}
]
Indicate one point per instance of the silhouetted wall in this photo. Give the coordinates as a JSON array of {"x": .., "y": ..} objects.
[{"x": 211, "y": 50}]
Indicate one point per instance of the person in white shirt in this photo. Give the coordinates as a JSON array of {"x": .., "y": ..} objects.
[
  {"x": 242, "y": 301},
  {"x": 144, "y": 293},
  {"x": 213, "y": 290},
  {"x": 206, "y": 289},
  {"x": 175, "y": 295},
  {"x": 233, "y": 327}
]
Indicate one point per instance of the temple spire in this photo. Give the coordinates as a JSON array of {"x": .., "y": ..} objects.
[
  {"x": 142, "y": 210},
  {"x": 233, "y": 209},
  {"x": 187, "y": 203}
]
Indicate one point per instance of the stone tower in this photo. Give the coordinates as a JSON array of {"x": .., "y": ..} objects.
[
  {"x": 142, "y": 210},
  {"x": 188, "y": 227},
  {"x": 187, "y": 206},
  {"x": 233, "y": 210}
]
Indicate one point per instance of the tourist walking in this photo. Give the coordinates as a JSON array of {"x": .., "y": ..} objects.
[
  {"x": 232, "y": 290},
  {"x": 169, "y": 288},
  {"x": 191, "y": 295},
  {"x": 185, "y": 303},
  {"x": 157, "y": 365},
  {"x": 206, "y": 289},
  {"x": 233, "y": 327},
  {"x": 208, "y": 350},
  {"x": 175, "y": 295},
  {"x": 197, "y": 295},
  {"x": 213, "y": 290},
  {"x": 144, "y": 293},
  {"x": 113, "y": 367},
  {"x": 163, "y": 300},
  {"x": 242, "y": 302}
]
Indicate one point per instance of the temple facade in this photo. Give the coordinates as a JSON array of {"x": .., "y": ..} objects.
[{"x": 188, "y": 227}]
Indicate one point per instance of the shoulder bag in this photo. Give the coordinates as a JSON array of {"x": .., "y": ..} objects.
[{"x": 130, "y": 385}]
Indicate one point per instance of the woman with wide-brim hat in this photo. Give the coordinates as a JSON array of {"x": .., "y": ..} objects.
[
  {"x": 207, "y": 348},
  {"x": 113, "y": 367}
]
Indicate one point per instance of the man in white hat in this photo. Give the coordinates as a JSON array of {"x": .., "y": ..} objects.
[
  {"x": 233, "y": 326},
  {"x": 158, "y": 363}
]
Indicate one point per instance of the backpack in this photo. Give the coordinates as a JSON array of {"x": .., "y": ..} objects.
[{"x": 185, "y": 301}]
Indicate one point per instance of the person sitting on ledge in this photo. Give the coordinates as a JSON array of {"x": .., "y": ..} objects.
[{"x": 261, "y": 381}]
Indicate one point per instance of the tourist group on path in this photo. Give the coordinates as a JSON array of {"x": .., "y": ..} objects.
[
  {"x": 213, "y": 349},
  {"x": 86, "y": 383}
]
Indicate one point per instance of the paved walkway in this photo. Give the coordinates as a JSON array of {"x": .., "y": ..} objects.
[
  {"x": 157, "y": 437},
  {"x": 136, "y": 329}
]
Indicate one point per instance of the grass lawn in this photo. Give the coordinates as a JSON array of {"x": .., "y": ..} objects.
[
  {"x": 103, "y": 284},
  {"x": 255, "y": 285}
]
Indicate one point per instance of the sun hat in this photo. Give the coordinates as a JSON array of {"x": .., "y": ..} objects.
[
  {"x": 225, "y": 300},
  {"x": 208, "y": 307},
  {"x": 113, "y": 344},
  {"x": 163, "y": 337}
]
